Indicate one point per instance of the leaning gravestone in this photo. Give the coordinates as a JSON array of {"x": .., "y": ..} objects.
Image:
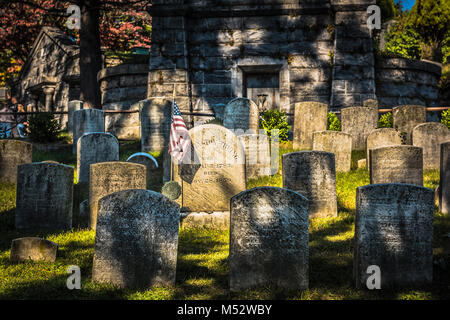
[
  {"x": 241, "y": 113},
  {"x": 94, "y": 148},
  {"x": 338, "y": 143},
  {"x": 87, "y": 121},
  {"x": 269, "y": 239},
  {"x": 34, "y": 249},
  {"x": 148, "y": 161},
  {"x": 309, "y": 118},
  {"x": 382, "y": 138},
  {"x": 396, "y": 164},
  {"x": 213, "y": 170},
  {"x": 429, "y": 137},
  {"x": 136, "y": 241},
  {"x": 257, "y": 154},
  {"x": 444, "y": 182},
  {"x": 155, "y": 124},
  {"x": 394, "y": 231},
  {"x": 110, "y": 177},
  {"x": 13, "y": 153},
  {"x": 313, "y": 175},
  {"x": 359, "y": 122},
  {"x": 44, "y": 196},
  {"x": 74, "y": 105},
  {"x": 407, "y": 117}
]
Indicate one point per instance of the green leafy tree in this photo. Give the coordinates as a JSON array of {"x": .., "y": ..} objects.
[
  {"x": 388, "y": 9},
  {"x": 275, "y": 119},
  {"x": 402, "y": 41},
  {"x": 446, "y": 118},
  {"x": 386, "y": 121},
  {"x": 334, "y": 124}
]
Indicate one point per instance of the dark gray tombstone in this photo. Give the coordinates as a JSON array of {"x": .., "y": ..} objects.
[
  {"x": 429, "y": 137},
  {"x": 13, "y": 153},
  {"x": 33, "y": 249},
  {"x": 444, "y": 184},
  {"x": 87, "y": 121},
  {"x": 148, "y": 161}
]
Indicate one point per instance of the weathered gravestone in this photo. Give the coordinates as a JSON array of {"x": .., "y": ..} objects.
[
  {"x": 241, "y": 113},
  {"x": 44, "y": 196},
  {"x": 444, "y": 182},
  {"x": 257, "y": 154},
  {"x": 148, "y": 161},
  {"x": 382, "y": 138},
  {"x": 213, "y": 170},
  {"x": 309, "y": 117},
  {"x": 429, "y": 137},
  {"x": 338, "y": 143},
  {"x": 87, "y": 121},
  {"x": 269, "y": 239},
  {"x": 136, "y": 240},
  {"x": 94, "y": 148},
  {"x": 394, "y": 231},
  {"x": 371, "y": 103},
  {"x": 73, "y": 106},
  {"x": 13, "y": 153},
  {"x": 155, "y": 124},
  {"x": 359, "y": 122},
  {"x": 396, "y": 164},
  {"x": 34, "y": 249},
  {"x": 313, "y": 175},
  {"x": 110, "y": 177},
  {"x": 407, "y": 117}
]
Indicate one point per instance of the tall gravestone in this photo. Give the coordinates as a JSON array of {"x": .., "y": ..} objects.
[
  {"x": 94, "y": 148},
  {"x": 338, "y": 143},
  {"x": 429, "y": 137},
  {"x": 382, "y": 137},
  {"x": 444, "y": 182},
  {"x": 136, "y": 240},
  {"x": 241, "y": 113},
  {"x": 407, "y": 117},
  {"x": 155, "y": 124},
  {"x": 359, "y": 122},
  {"x": 13, "y": 153},
  {"x": 148, "y": 161},
  {"x": 257, "y": 154},
  {"x": 309, "y": 117},
  {"x": 44, "y": 196},
  {"x": 394, "y": 231},
  {"x": 213, "y": 170},
  {"x": 87, "y": 121},
  {"x": 34, "y": 249},
  {"x": 269, "y": 239},
  {"x": 110, "y": 177},
  {"x": 313, "y": 175},
  {"x": 73, "y": 106},
  {"x": 396, "y": 164}
]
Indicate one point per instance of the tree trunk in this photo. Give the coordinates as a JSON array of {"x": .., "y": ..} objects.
[{"x": 90, "y": 54}]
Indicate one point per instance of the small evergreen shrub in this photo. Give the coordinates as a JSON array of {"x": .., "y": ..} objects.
[
  {"x": 446, "y": 118},
  {"x": 275, "y": 119},
  {"x": 386, "y": 121},
  {"x": 334, "y": 124},
  {"x": 43, "y": 127}
]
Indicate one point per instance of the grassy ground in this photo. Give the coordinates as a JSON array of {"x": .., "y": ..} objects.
[{"x": 202, "y": 270}]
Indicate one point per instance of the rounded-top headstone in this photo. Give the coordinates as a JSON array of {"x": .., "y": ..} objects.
[
  {"x": 338, "y": 143},
  {"x": 309, "y": 117},
  {"x": 269, "y": 239},
  {"x": 241, "y": 113},
  {"x": 429, "y": 137},
  {"x": 407, "y": 117},
  {"x": 444, "y": 182},
  {"x": 382, "y": 137},
  {"x": 13, "y": 153},
  {"x": 94, "y": 148},
  {"x": 136, "y": 241},
  {"x": 359, "y": 122},
  {"x": 148, "y": 161},
  {"x": 396, "y": 164},
  {"x": 155, "y": 124},
  {"x": 34, "y": 249},
  {"x": 313, "y": 175},
  {"x": 87, "y": 121}
]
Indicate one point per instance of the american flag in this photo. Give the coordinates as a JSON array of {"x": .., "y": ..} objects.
[{"x": 180, "y": 141}]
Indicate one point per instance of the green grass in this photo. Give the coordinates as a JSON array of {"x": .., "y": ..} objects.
[{"x": 202, "y": 269}]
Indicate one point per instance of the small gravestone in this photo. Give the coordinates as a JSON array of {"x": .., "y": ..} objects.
[
  {"x": 444, "y": 182},
  {"x": 269, "y": 239},
  {"x": 155, "y": 119},
  {"x": 394, "y": 231},
  {"x": 94, "y": 148},
  {"x": 241, "y": 113},
  {"x": 313, "y": 175},
  {"x": 73, "y": 106},
  {"x": 87, "y": 121},
  {"x": 338, "y": 143},
  {"x": 429, "y": 137},
  {"x": 44, "y": 196},
  {"x": 309, "y": 118},
  {"x": 359, "y": 122},
  {"x": 148, "y": 161},
  {"x": 362, "y": 163},
  {"x": 213, "y": 170},
  {"x": 396, "y": 164},
  {"x": 33, "y": 249},
  {"x": 13, "y": 153},
  {"x": 136, "y": 240},
  {"x": 370, "y": 103},
  {"x": 382, "y": 138},
  {"x": 84, "y": 214},
  {"x": 407, "y": 117},
  {"x": 110, "y": 177},
  {"x": 257, "y": 154}
]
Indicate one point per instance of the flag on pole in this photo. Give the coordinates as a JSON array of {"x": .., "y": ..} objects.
[{"x": 180, "y": 141}]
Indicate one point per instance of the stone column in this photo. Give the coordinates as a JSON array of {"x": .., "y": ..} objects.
[{"x": 48, "y": 91}]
